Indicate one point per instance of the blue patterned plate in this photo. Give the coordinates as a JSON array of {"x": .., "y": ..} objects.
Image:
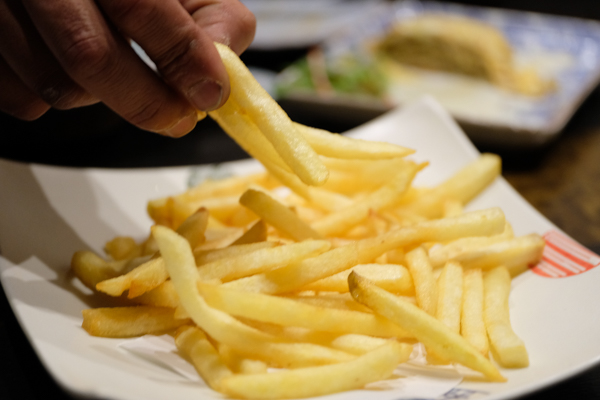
[{"x": 563, "y": 49}]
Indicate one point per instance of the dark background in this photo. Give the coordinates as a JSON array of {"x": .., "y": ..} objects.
[{"x": 95, "y": 137}]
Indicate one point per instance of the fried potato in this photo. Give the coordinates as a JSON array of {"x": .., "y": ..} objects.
[
  {"x": 195, "y": 346},
  {"x": 346, "y": 218},
  {"x": 426, "y": 328},
  {"x": 278, "y": 215},
  {"x": 316, "y": 381},
  {"x": 391, "y": 277},
  {"x": 472, "y": 325},
  {"x": 222, "y": 327},
  {"x": 274, "y": 123},
  {"x": 122, "y": 322},
  {"x": 426, "y": 290},
  {"x": 450, "y": 295},
  {"x": 508, "y": 349},
  {"x": 335, "y": 145},
  {"x": 287, "y": 312}
]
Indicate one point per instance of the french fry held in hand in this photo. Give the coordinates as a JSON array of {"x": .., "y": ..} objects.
[{"x": 332, "y": 285}]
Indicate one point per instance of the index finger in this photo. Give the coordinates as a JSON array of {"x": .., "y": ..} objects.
[
  {"x": 184, "y": 54},
  {"x": 101, "y": 61}
]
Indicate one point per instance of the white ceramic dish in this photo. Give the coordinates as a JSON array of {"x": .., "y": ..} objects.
[
  {"x": 563, "y": 49},
  {"x": 47, "y": 213}
]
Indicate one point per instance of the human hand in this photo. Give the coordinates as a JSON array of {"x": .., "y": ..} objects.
[{"x": 71, "y": 53}]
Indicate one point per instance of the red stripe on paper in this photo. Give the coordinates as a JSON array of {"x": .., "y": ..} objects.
[{"x": 564, "y": 257}]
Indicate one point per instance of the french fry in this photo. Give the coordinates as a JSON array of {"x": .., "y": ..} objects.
[
  {"x": 450, "y": 295},
  {"x": 152, "y": 273},
  {"x": 391, "y": 277},
  {"x": 288, "y": 312},
  {"x": 472, "y": 325},
  {"x": 122, "y": 248},
  {"x": 163, "y": 295},
  {"x": 516, "y": 254},
  {"x": 316, "y": 381},
  {"x": 426, "y": 290},
  {"x": 239, "y": 364},
  {"x": 508, "y": 349},
  {"x": 278, "y": 215},
  {"x": 92, "y": 269},
  {"x": 341, "y": 221},
  {"x": 334, "y": 145},
  {"x": 462, "y": 186},
  {"x": 256, "y": 234},
  {"x": 426, "y": 328},
  {"x": 123, "y": 322},
  {"x": 261, "y": 260},
  {"x": 179, "y": 261},
  {"x": 196, "y": 347},
  {"x": 233, "y": 250},
  {"x": 294, "y": 276},
  {"x": 274, "y": 123},
  {"x": 475, "y": 223}
]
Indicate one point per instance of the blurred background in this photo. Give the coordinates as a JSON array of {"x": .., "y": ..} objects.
[{"x": 552, "y": 161}]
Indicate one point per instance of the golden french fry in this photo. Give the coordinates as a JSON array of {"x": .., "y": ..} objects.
[
  {"x": 195, "y": 346},
  {"x": 122, "y": 322},
  {"x": 163, "y": 295},
  {"x": 239, "y": 364},
  {"x": 334, "y": 145},
  {"x": 294, "y": 276},
  {"x": 343, "y": 301},
  {"x": 222, "y": 327},
  {"x": 273, "y": 122},
  {"x": 92, "y": 269},
  {"x": 316, "y": 381},
  {"x": 278, "y": 215},
  {"x": 261, "y": 260},
  {"x": 452, "y": 208},
  {"x": 152, "y": 273},
  {"x": 426, "y": 290},
  {"x": 193, "y": 228},
  {"x": 256, "y": 233},
  {"x": 122, "y": 248},
  {"x": 508, "y": 349},
  {"x": 475, "y": 223},
  {"x": 462, "y": 186},
  {"x": 426, "y": 328},
  {"x": 352, "y": 177},
  {"x": 138, "y": 281},
  {"x": 450, "y": 295},
  {"x": 284, "y": 311},
  {"x": 516, "y": 254},
  {"x": 391, "y": 277},
  {"x": 341, "y": 221},
  {"x": 472, "y": 325},
  {"x": 233, "y": 250}
]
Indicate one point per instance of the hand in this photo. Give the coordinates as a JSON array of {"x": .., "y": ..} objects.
[{"x": 71, "y": 53}]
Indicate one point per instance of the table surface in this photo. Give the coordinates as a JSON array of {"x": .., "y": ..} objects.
[{"x": 561, "y": 180}]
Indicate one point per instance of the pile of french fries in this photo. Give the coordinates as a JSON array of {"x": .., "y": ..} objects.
[{"x": 320, "y": 274}]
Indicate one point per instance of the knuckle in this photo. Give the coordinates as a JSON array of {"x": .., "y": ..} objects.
[
  {"x": 62, "y": 94},
  {"x": 174, "y": 62},
  {"x": 132, "y": 12},
  {"x": 147, "y": 116},
  {"x": 88, "y": 56}
]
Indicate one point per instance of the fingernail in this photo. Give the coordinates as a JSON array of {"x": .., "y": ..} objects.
[
  {"x": 206, "y": 95},
  {"x": 183, "y": 127}
]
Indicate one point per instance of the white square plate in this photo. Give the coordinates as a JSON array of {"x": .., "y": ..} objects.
[{"x": 48, "y": 213}]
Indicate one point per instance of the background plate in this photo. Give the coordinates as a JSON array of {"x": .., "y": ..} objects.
[{"x": 564, "y": 49}]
